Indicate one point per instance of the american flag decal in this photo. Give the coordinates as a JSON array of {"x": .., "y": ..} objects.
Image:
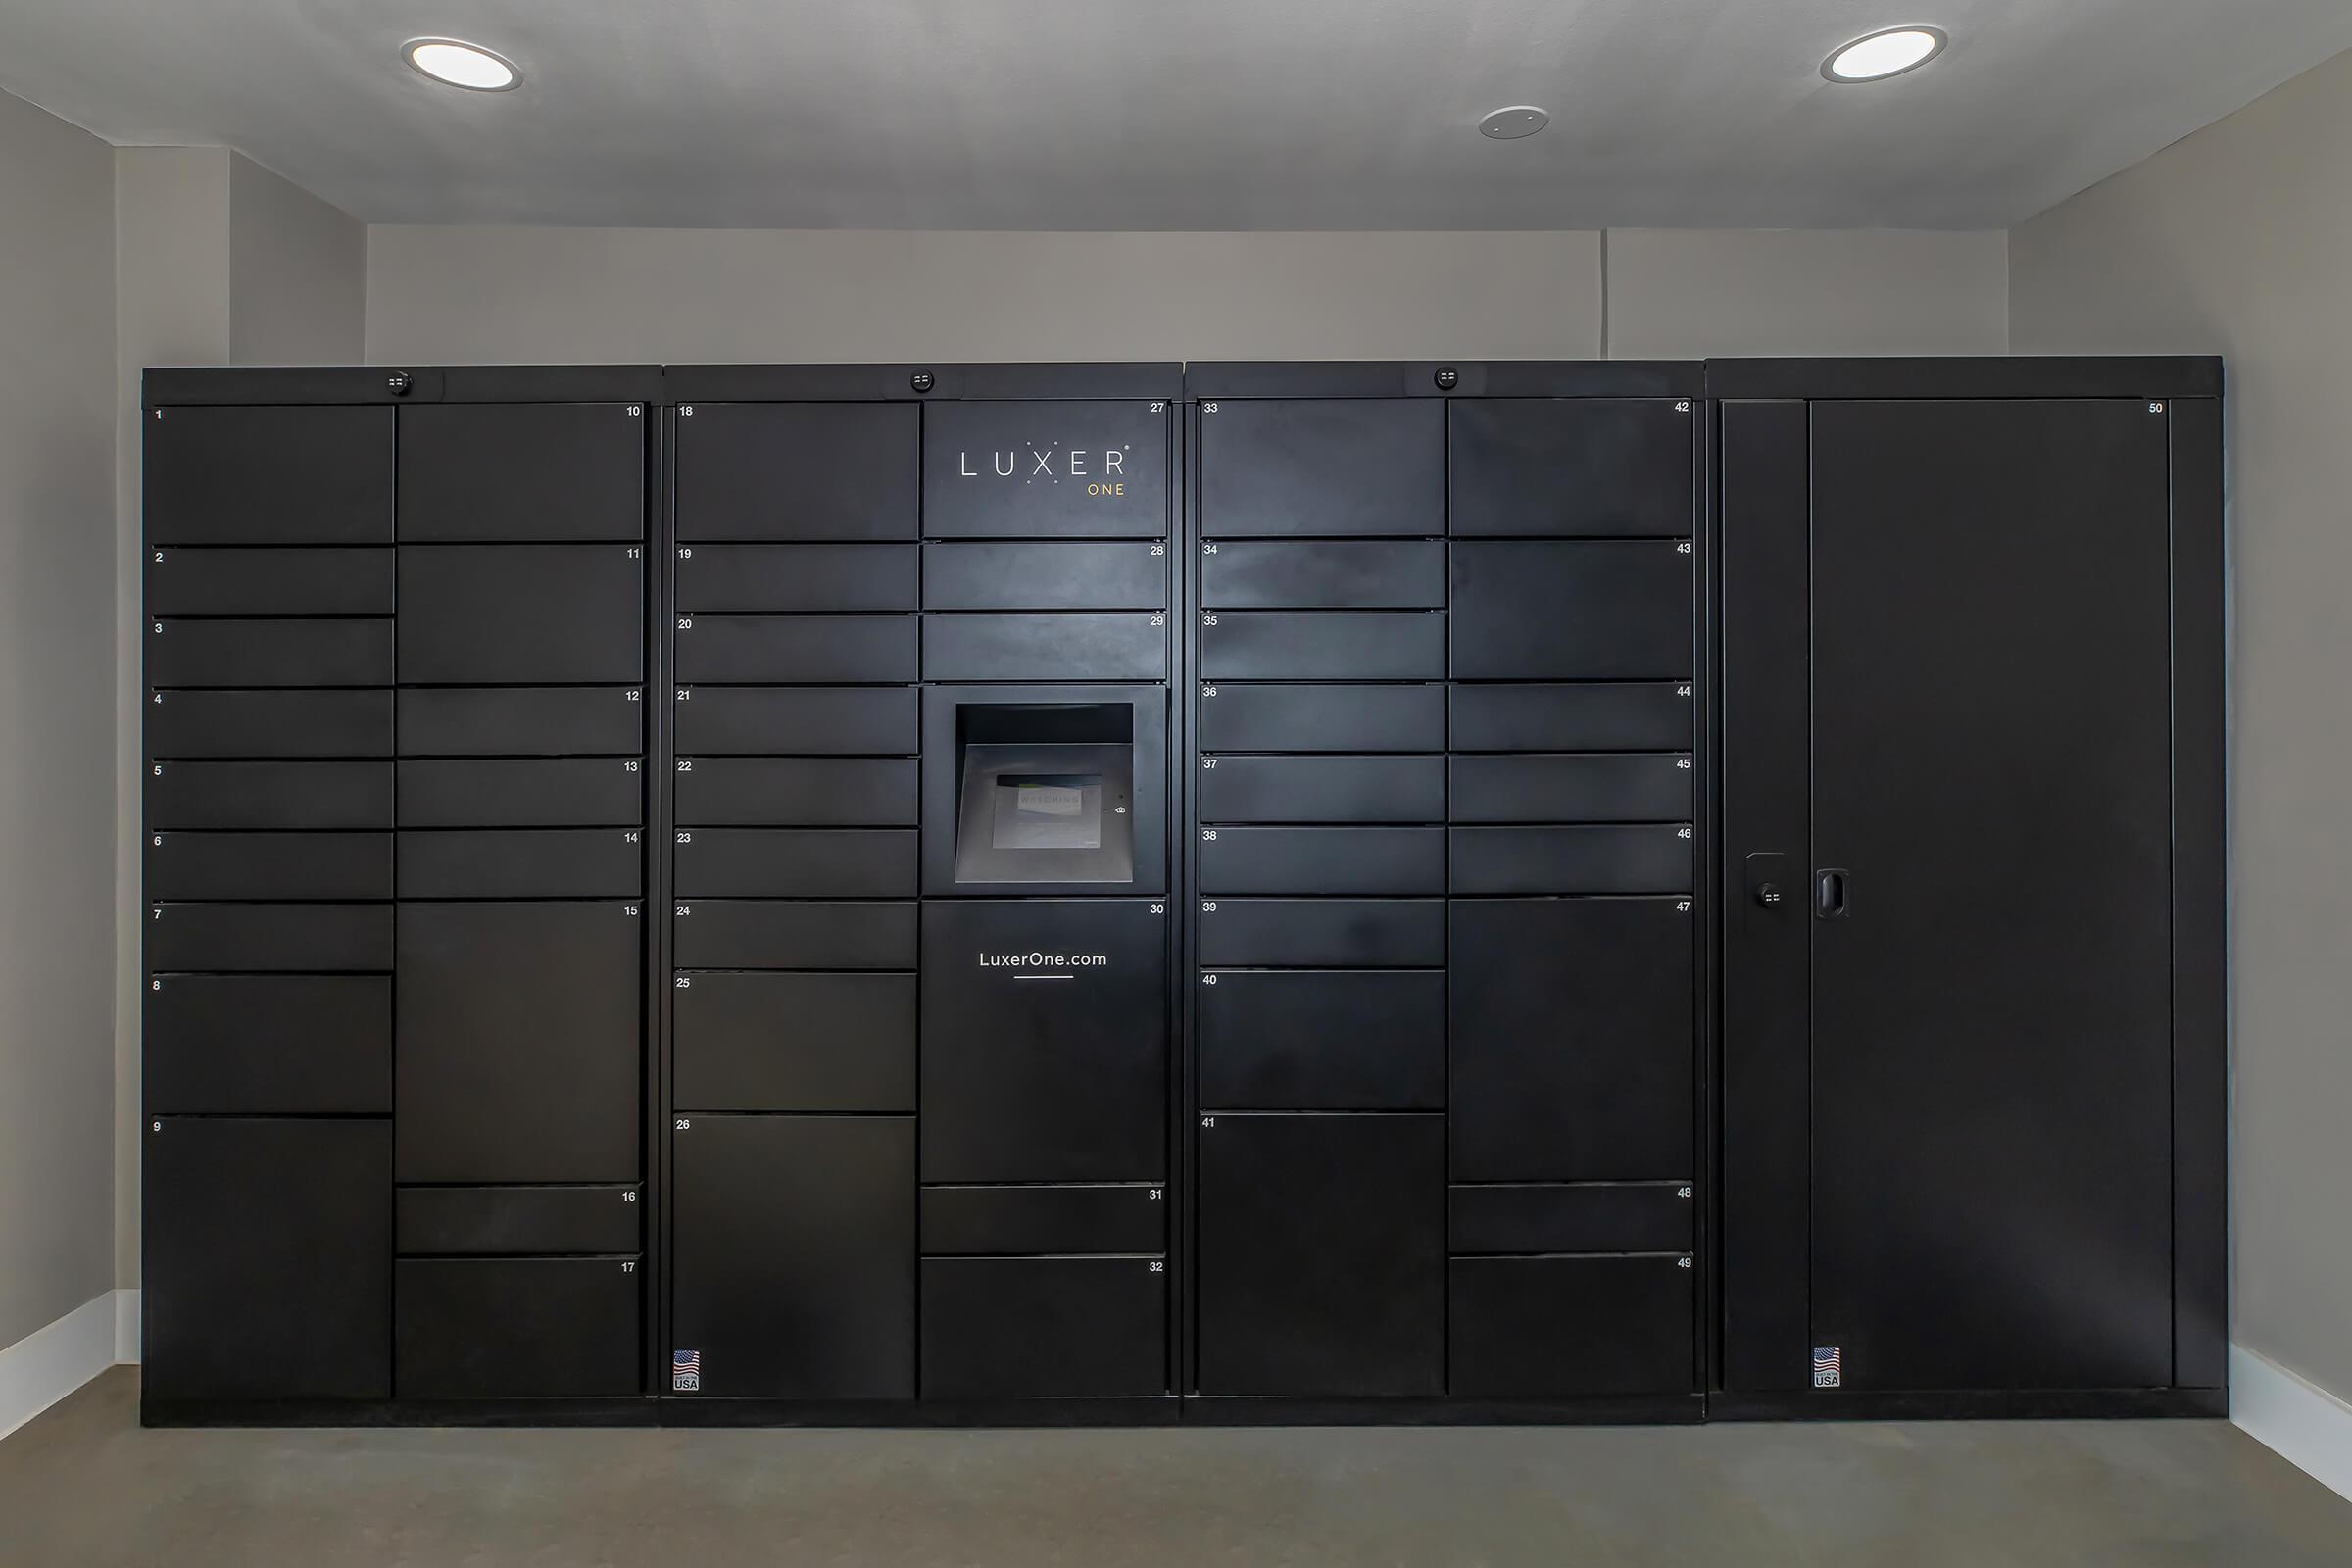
[
  {"x": 1829, "y": 1366},
  {"x": 685, "y": 1371}
]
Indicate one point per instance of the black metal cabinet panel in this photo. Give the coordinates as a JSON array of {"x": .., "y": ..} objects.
[
  {"x": 1587, "y": 466},
  {"x": 1322, "y": 1040},
  {"x": 521, "y": 615},
  {"x": 1042, "y": 1220},
  {"x": 734, "y": 863},
  {"x": 523, "y": 470},
  {"x": 495, "y": 1221},
  {"x": 268, "y": 724},
  {"x": 566, "y": 862},
  {"x": 838, "y": 721},
  {"x": 231, "y": 475},
  {"x": 1367, "y": 465},
  {"x": 1262, "y": 645},
  {"x": 793, "y": 1254},
  {"x": 1322, "y": 1254},
  {"x": 1011, "y": 1328},
  {"x": 796, "y": 792},
  {"x": 1322, "y": 718},
  {"x": 1045, "y": 1041},
  {"x": 522, "y": 721},
  {"x": 1396, "y": 861},
  {"x": 268, "y": 1258},
  {"x": 1046, "y": 470},
  {"x": 1590, "y": 717},
  {"x": 760, "y": 934},
  {"x": 1992, "y": 1158},
  {"x": 797, "y": 471},
  {"x": 516, "y": 1328},
  {"x": 269, "y": 865},
  {"x": 1062, "y": 574},
  {"x": 1572, "y": 1039},
  {"x": 292, "y": 938},
  {"x": 269, "y": 795},
  {"x": 1323, "y": 788},
  {"x": 270, "y": 653},
  {"x": 1323, "y": 574},
  {"x": 269, "y": 1045},
  {"x": 538, "y": 792},
  {"x": 1634, "y": 858},
  {"x": 1579, "y": 1217},
  {"x": 1587, "y": 609},
  {"x": 773, "y": 578},
  {"x": 834, "y": 1042},
  {"x": 517, "y": 1030},
  {"x": 1323, "y": 933},
  {"x": 822, "y": 649},
  {"x": 1569, "y": 1326},
  {"x": 268, "y": 582},
  {"x": 1048, "y": 646},
  {"x": 1591, "y": 787}
]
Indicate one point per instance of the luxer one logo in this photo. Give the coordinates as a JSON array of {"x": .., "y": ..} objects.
[
  {"x": 1103, "y": 471},
  {"x": 1045, "y": 960}
]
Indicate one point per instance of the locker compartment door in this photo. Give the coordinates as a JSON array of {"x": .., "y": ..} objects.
[
  {"x": 1322, "y": 1254},
  {"x": 787, "y": 648},
  {"x": 516, "y": 614},
  {"x": 522, "y": 721},
  {"x": 725, "y": 862},
  {"x": 1323, "y": 788},
  {"x": 268, "y": 1258},
  {"x": 1053, "y": 1072},
  {"x": 839, "y": 721},
  {"x": 795, "y": 577},
  {"x": 269, "y": 475},
  {"x": 1264, "y": 645},
  {"x": 763, "y": 934},
  {"x": 1323, "y": 1040},
  {"x": 1322, "y": 718},
  {"x": 1323, "y": 574},
  {"x": 1047, "y": 646},
  {"x": 1035, "y": 1220},
  {"x": 269, "y": 795},
  {"x": 796, "y": 792},
  {"x": 549, "y": 862},
  {"x": 1644, "y": 857},
  {"x": 290, "y": 938},
  {"x": 793, "y": 1254},
  {"x": 1371, "y": 465},
  {"x": 516, "y": 1328},
  {"x": 1992, "y": 1073},
  {"x": 1590, "y": 610},
  {"x": 1590, "y": 716},
  {"x": 269, "y": 1045},
  {"x": 1046, "y": 470},
  {"x": 797, "y": 471},
  {"x": 1562, "y": 1327},
  {"x": 1593, "y": 467},
  {"x": 1620, "y": 787},
  {"x": 1572, "y": 1039},
  {"x": 1323, "y": 933},
  {"x": 840, "y": 1041},
  {"x": 518, "y": 1033},
  {"x": 268, "y": 723},
  {"x": 1063, "y": 575},
  {"x": 505, "y": 1221},
  {"x": 1323, "y": 859},
  {"x": 523, "y": 470},
  {"x": 269, "y": 865},
  {"x": 268, "y": 582},
  {"x": 270, "y": 653},
  {"x": 1012, "y": 1328},
  {"x": 567, "y": 792}
]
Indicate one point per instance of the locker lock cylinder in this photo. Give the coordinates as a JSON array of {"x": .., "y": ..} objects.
[
  {"x": 1447, "y": 378},
  {"x": 398, "y": 383}
]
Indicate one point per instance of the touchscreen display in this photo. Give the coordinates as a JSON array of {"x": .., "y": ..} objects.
[{"x": 1048, "y": 811}]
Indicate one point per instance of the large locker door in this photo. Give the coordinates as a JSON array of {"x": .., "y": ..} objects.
[{"x": 1991, "y": 1111}]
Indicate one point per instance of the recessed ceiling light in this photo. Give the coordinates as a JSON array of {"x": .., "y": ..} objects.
[
  {"x": 461, "y": 64},
  {"x": 1509, "y": 124},
  {"x": 1888, "y": 52}
]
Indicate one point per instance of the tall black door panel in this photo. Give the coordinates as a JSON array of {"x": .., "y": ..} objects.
[
  {"x": 1992, "y": 1112},
  {"x": 268, "y": 1258},
  {"x": 474, "y": 473},
  {"x": 1322, "y": 1254},
  {"x": 793, "y": 1261}
]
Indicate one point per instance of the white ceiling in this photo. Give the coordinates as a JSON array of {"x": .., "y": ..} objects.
[{"x": 1167, "y": 113}]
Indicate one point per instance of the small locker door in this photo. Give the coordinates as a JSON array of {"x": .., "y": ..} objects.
[
  {"x": 1991, "y": 1069},
  {"x": 793, "y": 1256},
  {"x": 1322, "y": 1254}
]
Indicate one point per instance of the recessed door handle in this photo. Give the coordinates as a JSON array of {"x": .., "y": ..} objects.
[{"x": 1829, "y": 892}]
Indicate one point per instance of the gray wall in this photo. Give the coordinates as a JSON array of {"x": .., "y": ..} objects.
[
  {"x": 57, "y": 735},
  {"x": 2239, "y": 241},
  {"x": 682, "y": 295},
  {"x": 297, "y": 273}
]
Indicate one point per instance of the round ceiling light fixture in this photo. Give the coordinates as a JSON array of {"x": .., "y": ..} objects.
[
  {"x": 1509, "y": 124},
  {"x": 460, "y": 64},
  {"x": 1888, "y": 52}
]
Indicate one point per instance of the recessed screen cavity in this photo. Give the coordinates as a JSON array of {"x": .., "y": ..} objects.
[{"x": 1048, "y": 811}]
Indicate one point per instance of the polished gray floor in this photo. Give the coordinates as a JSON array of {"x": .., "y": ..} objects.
[{"x": 83, "y": 1487}]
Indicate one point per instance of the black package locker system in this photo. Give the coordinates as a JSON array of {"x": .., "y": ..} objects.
[
  {"x": 1249, "y": 892},
  {"x": 395, "y": 869}
]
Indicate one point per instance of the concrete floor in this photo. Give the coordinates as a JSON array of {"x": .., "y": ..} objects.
[{"x": 83, "y": 1487}]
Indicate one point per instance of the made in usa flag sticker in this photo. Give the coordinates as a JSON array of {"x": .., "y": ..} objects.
[
  {"x": 685, "y": 1371},
  {"x": 1829, "y": 1366}
]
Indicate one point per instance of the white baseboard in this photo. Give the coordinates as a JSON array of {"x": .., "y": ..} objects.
[
  {"x": 49, "y": 1363},
  {"x": 126, "y": 1327},
  {"x": 2309, "y": 1427}
]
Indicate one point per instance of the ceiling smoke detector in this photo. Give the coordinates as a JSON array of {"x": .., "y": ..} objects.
[{"x": 1509, "y": 124}]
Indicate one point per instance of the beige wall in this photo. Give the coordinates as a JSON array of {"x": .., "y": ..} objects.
[
  {"x": 56, "y": 733},
  {"x": 2238, "y": 240},
  {"x": 1701, "y": 293},
  {"x": 297, "y": 273}
]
